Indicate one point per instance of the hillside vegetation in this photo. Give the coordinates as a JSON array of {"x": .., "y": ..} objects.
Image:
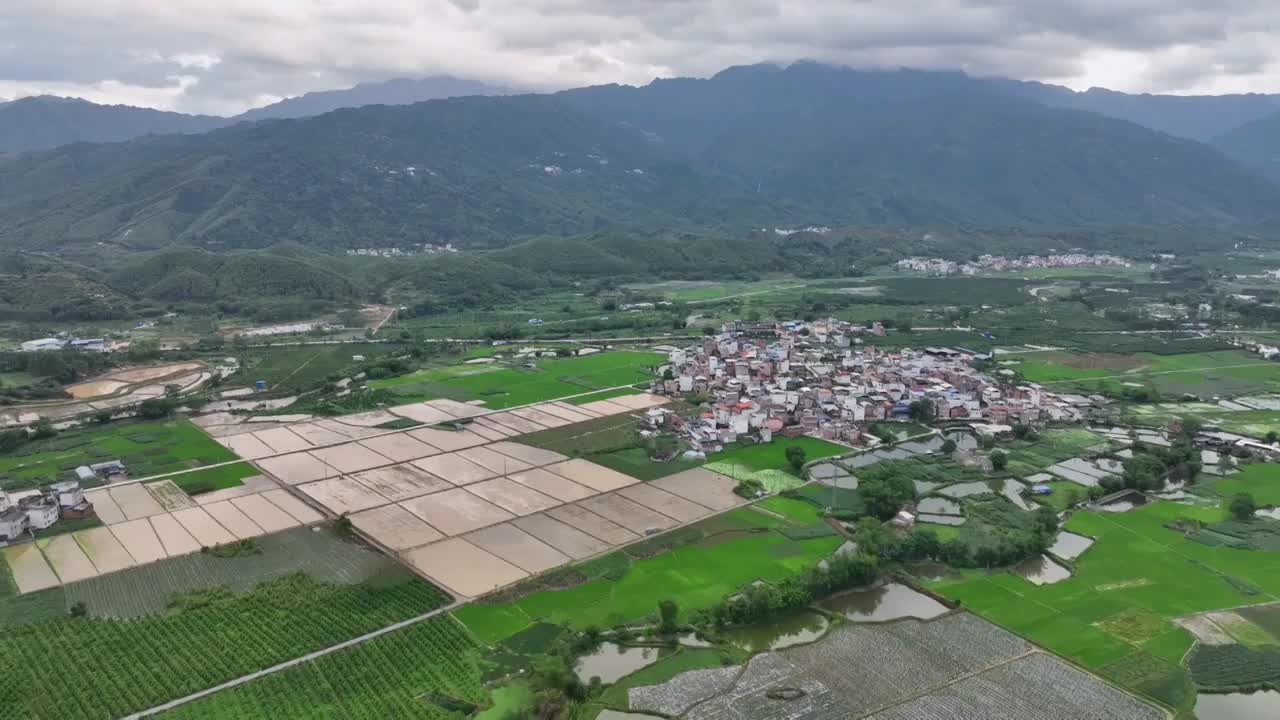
[{"x": 750, "y": 148}]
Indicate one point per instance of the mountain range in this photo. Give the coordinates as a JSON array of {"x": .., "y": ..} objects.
[
  {"x": 752, "y": 147},
  {"x": 43, "y": 122}
]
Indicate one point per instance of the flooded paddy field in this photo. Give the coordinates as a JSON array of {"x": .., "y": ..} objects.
[{"x": 957, "y": 666}]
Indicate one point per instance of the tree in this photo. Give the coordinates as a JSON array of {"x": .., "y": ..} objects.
[
  {"x": 155, "y": 409},
  {"x": 883, "y": 495},
  {"x": 999, "y": 461},
  {"x": 1272, "y": 436},
  {"x": 1242, "y": 506},
  {"x": 796, "y": 457},
  {"x": 668, "y": 617},
  {"x": 948, "y": 446},
  {"x": 102, "y": 417},
  {"x": 921, "y": 410}
]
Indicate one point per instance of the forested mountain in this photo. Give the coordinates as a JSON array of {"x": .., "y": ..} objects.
[
  {"x": 36, "y": 123},
  {"x": 754, "y": 147},
  {"x": 1197, "y": 117},
  {"x": 391, "y": 92},
  {"x": 40, "y": 123},
  {"x": 1255, "y": 145}
]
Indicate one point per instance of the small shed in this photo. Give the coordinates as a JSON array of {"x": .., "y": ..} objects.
[{"x": 86, "y": 474}]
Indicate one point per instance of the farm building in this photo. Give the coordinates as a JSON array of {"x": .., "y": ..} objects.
[
  {"x": 42, "y": 345},
  {"x": 71, "y": 499},
  {"x": 107, "y": 469},
  {"x": 13, "y": 522},
  {"x": 41, "y": 511}
]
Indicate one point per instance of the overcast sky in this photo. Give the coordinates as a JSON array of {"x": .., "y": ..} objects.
[{"x": 224, "y": 56}]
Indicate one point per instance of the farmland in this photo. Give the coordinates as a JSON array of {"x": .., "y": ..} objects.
[
  {"x": 502, "y": 386},
  {"x": 723, "y": 556},
  {"x": 1114, "y": 615},
  {"x": 216, "y": 478},
  {"x": 1205, "y": 374},
  {"x": 147, "y": 448},
  {"x": 207, "y": 636},
  {"x": 1262, "y": 481},
  {"x": 295, "y": 368},
  {"x": 427, "y": 671}
]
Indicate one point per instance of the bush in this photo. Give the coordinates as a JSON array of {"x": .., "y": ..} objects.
[{"x": 1242, "y": 506}]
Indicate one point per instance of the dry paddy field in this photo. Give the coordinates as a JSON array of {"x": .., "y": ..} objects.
[
  {"x": 145, "y": 523},
  {"x": 468, "y": 506}
]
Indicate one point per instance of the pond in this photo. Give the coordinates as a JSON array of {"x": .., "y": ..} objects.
[
  {"x": 1040, "y": 570},
  {"x": 1070, "y": 546},
  {"x": 612, "y": 662},
  {"x": 938, "y": 506},
  {"x": 789, "y": 630},
  {"x": 890, "y": 602},
  {"x": 1238, "y": 706}
]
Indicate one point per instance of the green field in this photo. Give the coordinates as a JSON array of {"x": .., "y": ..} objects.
[
  {"x": 416, "y": 672},
  {"x": 204, "y": 638},
  {"x": 147, "y": 448},
  {"x": 698, "y": 575},
  {"x": 1261, "y": 480},
  {"x": 503, "y": 386},
  {"x": 773, "y": 455},
  {"x": 218, "y": 478},
  {"x": 1222, "y": 372},
  {"x": 1114, "y": 613},
  {"x": 298, "y": 368}
]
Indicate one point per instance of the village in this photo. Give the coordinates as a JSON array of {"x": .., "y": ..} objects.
[
  {"x": 822, "y": 379},
  {"x": 995, "y": 263}
]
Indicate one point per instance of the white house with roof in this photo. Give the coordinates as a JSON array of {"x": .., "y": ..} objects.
[{"x": 42, "y": 345}]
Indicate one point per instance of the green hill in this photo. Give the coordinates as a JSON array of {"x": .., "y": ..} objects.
[{"x": 751, "y": 148}]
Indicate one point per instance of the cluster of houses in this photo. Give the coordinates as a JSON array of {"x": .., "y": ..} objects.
[
  {"x": 40, "y": 509},
  {"x": 821, "y": 379},
  {"x": 57, "y": 343},
  {"x": 997, "y": 263}
]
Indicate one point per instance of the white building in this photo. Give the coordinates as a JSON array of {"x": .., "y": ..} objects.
[
  {"x": 41, "y": 512},
  {"x": 42, "y": 345}
]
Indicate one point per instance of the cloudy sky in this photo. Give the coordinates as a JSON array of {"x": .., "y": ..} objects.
[{"x": 224, "y": 56}]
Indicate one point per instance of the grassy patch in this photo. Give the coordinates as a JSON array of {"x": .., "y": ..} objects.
[
  {"x": 147, "y": 448},
  {"x": 797, "y": 511},
  {"x": 773, "y": 455},
  {"x": 1261, "y": 480},
  {"x": 503, "y": 386},
  {"x": 491, "y": 623},
  {"x": 696, "y": 575},
  {"x": 219, "y": 478}
]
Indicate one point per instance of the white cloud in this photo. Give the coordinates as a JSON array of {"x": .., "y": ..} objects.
[{"x": 244, "y": 50}]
